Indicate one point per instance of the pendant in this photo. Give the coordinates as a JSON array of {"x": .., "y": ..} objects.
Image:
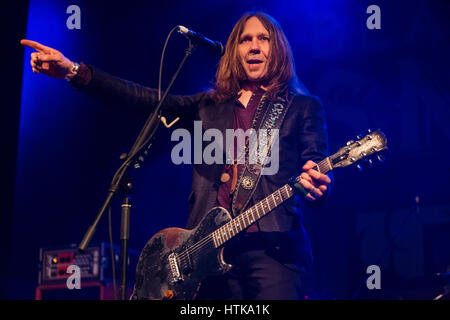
[{"x": 224, "y": 177}]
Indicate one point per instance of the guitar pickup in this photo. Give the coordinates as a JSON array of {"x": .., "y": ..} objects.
[{"x": 174, "y": 268}]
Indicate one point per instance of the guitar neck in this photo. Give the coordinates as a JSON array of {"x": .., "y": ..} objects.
[{"x": 259, "y": 210}]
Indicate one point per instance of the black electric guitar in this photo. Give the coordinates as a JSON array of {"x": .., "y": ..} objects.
[{"x": 175, "y": 261}]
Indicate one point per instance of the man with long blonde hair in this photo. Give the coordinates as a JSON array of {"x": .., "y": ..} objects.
[{"x": 256, "y": 73}]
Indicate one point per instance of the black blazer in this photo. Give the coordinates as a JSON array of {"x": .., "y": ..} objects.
[{"x": 302, "y": 137}]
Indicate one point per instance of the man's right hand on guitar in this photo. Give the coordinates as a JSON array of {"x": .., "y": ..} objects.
[{"x": 49, "y": 61}]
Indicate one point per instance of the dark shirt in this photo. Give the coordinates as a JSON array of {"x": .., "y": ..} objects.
[{"x": 243, "y": 118}]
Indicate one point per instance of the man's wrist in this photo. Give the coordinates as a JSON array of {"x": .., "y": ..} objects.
[
  {"x": 83, "y": 76},
  {"x": 73, "y": 71}
]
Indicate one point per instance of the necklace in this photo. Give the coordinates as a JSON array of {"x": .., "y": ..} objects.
[{"x": 231, "y": 160}]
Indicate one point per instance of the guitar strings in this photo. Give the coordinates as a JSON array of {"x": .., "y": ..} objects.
[
  {"x": 225, "y": 228},
  {"x": 204, "y": 241},
  {"x": 198, "y": 247},
  {"x": 200, "y": 244}
]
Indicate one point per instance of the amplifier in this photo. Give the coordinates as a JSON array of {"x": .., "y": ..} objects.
[
  {"x": 94, "y": 263},
  {"x": 89, "y": 291}
]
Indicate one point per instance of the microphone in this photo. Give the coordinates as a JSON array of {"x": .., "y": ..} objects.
[{"x": 214, "y": 47}]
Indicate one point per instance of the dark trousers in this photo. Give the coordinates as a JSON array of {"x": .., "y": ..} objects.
[{"x": 257, "y": 274}]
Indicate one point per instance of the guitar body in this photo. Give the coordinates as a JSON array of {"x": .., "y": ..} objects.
[{"x": 166, "y": 271}]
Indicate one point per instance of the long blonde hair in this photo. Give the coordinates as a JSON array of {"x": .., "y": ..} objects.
[{"x": 280, "y": 77}]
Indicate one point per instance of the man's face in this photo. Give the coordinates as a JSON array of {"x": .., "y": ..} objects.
[{"x": 254, "y": 47}]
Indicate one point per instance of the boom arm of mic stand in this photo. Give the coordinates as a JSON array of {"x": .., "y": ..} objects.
[{"x": 150, "y": 127}]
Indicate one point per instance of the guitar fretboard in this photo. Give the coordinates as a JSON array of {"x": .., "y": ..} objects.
[{"x": 256, "y": 212}]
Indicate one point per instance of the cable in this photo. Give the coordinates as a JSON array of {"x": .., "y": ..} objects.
[
  {"x": 162, "y": 61},
  {"x": 131, "y": 156},
  {"x": 188, "y": 52}
]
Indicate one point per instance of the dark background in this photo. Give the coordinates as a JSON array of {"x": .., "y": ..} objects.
[{"x": 61, "y": 148}]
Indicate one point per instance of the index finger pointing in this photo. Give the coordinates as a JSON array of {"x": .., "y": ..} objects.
[{"x": 35, "y": 45}]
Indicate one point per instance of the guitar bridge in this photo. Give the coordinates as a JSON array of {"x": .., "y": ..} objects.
[{"x": 174, "y": 268}]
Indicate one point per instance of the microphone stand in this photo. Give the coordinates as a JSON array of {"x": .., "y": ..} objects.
[{"x": 145, "y": 136}]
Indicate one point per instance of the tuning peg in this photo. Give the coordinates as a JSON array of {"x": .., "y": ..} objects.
[
  {"x": 370, "y": 162},
  {"x": 380, "y": 158},
  {"x": 359, "y": 168},
  {"x": 369, "y": 130},
  {"x": 350, "y": 142},
  {"x": 358, "y": 137}
]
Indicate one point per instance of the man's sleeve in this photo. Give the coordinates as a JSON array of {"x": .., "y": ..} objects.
[
  {"x": 313, "y": 131},
  {"x": 313, "y": 135},
  {"x": 114, "y": 90}
]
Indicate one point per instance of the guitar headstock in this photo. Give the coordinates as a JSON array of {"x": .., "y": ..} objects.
[{"x": 363, "y": 147}]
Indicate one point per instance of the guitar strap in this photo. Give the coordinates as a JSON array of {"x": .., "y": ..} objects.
[{"x": 270, "y": 123}]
